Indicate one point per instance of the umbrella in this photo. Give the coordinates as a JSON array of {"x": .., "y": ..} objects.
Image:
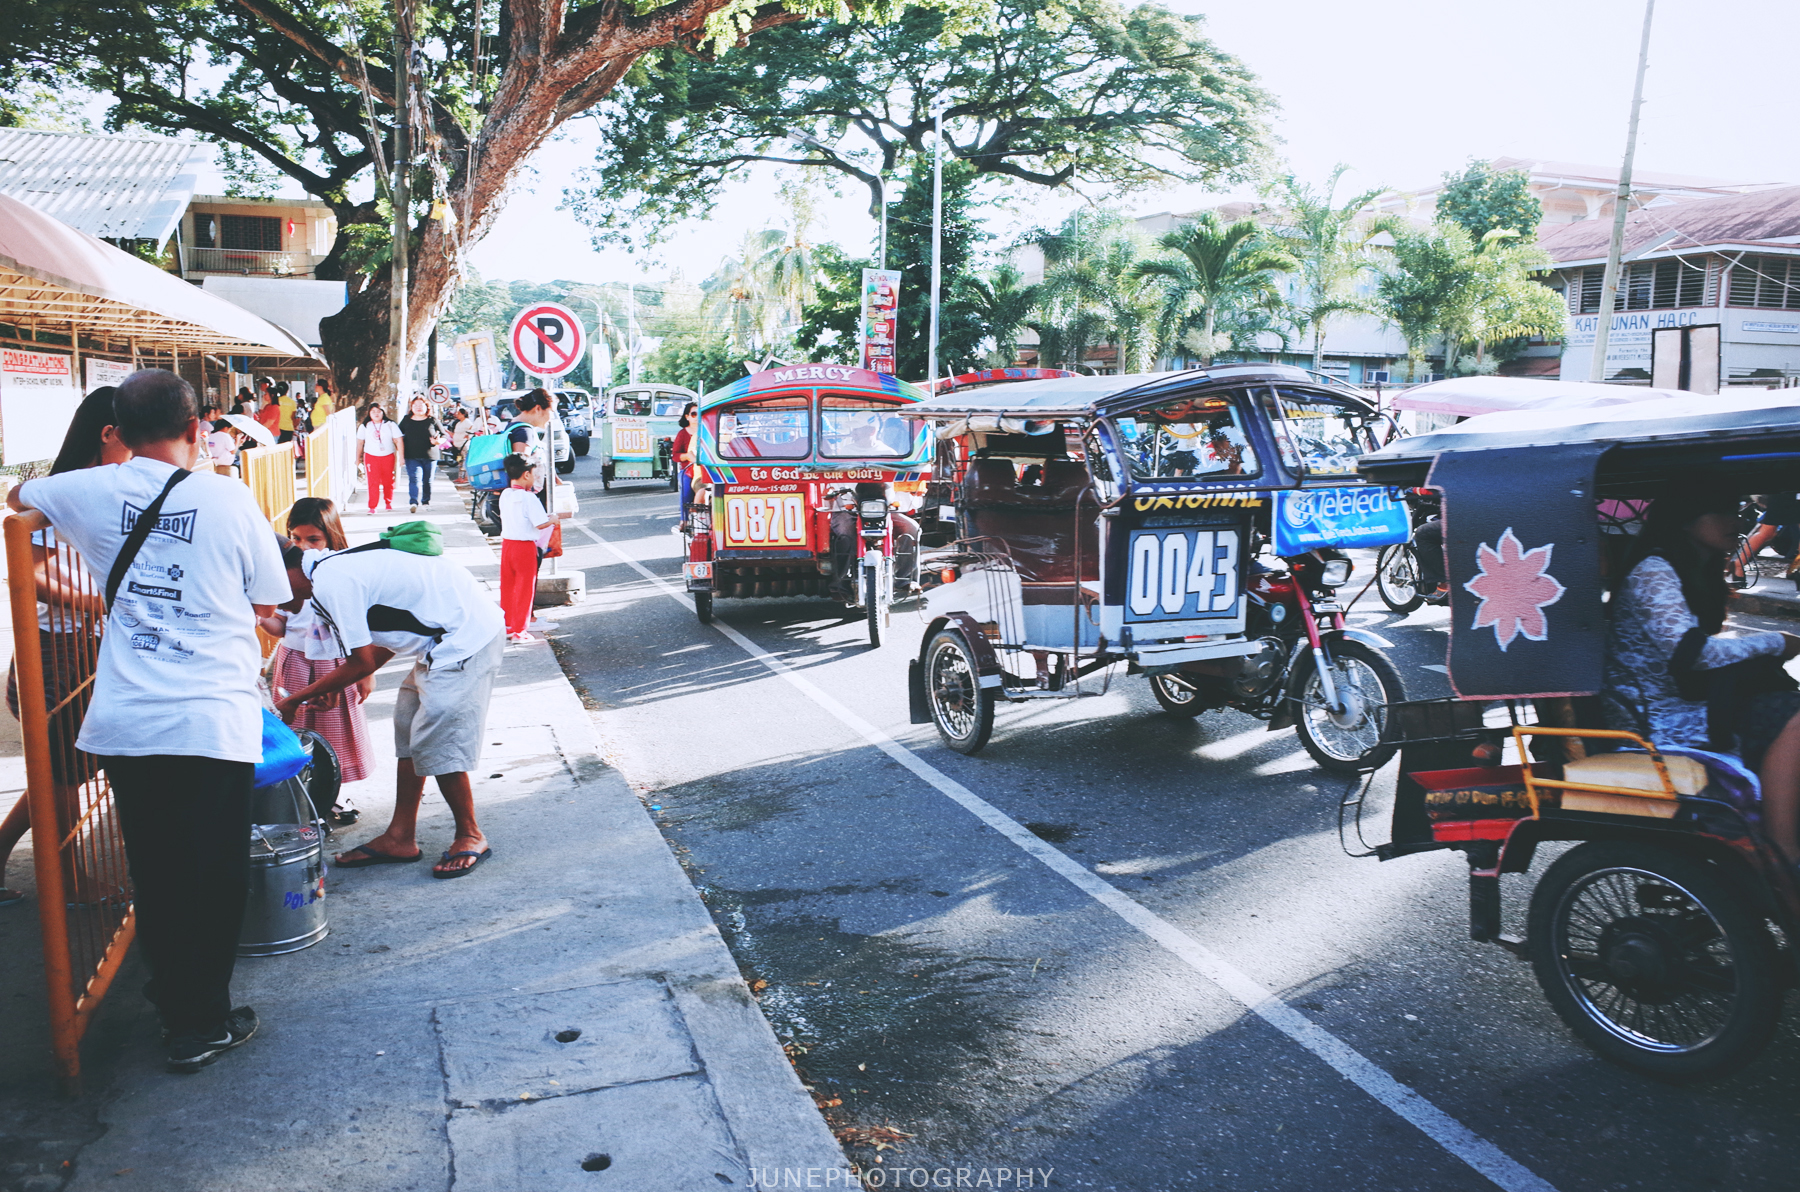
[{"x": 253, "y": 428}]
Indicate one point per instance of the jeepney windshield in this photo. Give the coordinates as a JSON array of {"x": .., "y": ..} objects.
[
  {"x": 1318, "y": 434},
  {"x": 774, "y": 428},
  {"x": 632, "y": 405},
  {"x": 1192, "y": 437},
  {"x": 856, "y": 428},
  {"x": 670, "y": 405}
]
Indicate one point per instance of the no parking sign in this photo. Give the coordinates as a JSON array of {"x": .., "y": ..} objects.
[{"x": 547, "y": 339}]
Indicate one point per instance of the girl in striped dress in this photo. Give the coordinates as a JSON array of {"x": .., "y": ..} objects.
[{"x": 313, "y": 524}]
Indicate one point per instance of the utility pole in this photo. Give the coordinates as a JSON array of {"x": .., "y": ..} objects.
[
  {"x": 631, "y": 332},
  {"x": 884, "y": 206},
  {"x": 937, "y": 241},
  {"x": 1609, "y": 286},
  {"x": 402, "y": 197}
]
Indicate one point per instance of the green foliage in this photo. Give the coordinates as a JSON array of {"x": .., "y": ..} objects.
[
  {"x": 701, "y": 362},
  {"x": 1440, "y": 282},
  {"x": 1216, "y": 270},
  {"x": 1482, "y": 199},
  {"x": 1331, "y": 242},
  {"x": 1052, "y": 92},
  {"x": 961, "y": 330},
  {"x": 45, "y": 103},
  {"x": 1004, "y": 305},
  {"x": 827, "y": 330}
]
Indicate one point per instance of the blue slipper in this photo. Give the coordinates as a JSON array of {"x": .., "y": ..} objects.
[
  {"x": 371, "y": 857},
  {"x": 11, "y": 897},
  {"x": 481, "y": 856}
]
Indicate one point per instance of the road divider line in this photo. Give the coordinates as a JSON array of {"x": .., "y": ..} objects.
[{"x": 1486, "y": 1158}]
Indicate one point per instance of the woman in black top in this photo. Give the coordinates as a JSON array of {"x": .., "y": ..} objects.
[{"x": 421, "y": 432}]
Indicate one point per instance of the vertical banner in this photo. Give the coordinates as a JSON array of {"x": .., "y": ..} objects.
[
  {"x": 37, "y": 403},
  {"x": 104, "y": 372},
  {"x": 880, "y": 314}
]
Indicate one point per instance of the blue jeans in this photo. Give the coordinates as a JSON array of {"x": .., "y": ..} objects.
[{"x": 418, "y": 475}]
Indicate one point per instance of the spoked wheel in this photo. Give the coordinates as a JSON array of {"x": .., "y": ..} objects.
[
  {"x": 961, "y": 707},
  {"x": 1357, "y": 737},
  {"x": 1654, "y": 960},
  {"x": 1397, "y": 577},
  {"x": 875, "y": 605},
  {"x": 1177, "y": 695},
  {"x": 703, "y": 607}
]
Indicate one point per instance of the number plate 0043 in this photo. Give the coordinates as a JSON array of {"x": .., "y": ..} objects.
[{"x": 765, "y": 521}]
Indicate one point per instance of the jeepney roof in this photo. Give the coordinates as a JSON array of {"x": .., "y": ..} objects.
[
  {"x": 654, "y": 387},
  {"x": 1070, "y": 397},
  {"x": 839, "y": 378}
]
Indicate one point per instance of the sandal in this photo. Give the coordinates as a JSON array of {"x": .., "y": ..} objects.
[
  {"x": 481, "y": 856},
  {"x": 371, "y": 857},
  {"x": 11, "y": 897}
]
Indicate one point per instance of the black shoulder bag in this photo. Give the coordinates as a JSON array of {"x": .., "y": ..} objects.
[{"x": 134, "y": 541}]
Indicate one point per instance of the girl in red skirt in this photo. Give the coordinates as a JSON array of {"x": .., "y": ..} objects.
[
  {"x": 313, "y": 525},
  {"x": 524, "y": 533}
]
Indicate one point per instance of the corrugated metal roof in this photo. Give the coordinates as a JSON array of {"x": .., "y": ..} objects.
[
  {"x": 118, "y": 187},
  {"x": 1753, "y": 218}
]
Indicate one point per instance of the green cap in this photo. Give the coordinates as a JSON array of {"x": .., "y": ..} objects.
[{"x": 415, "y": 538}]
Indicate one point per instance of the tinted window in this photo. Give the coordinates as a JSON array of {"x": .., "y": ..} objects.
[
  {"x": 670, "y": 406},
  {"x": 856, "y": 428},
  {"x": 1202, "y": 436},
  {"x": 778, "y": 428},
  {"x": 634, "y": 405}
]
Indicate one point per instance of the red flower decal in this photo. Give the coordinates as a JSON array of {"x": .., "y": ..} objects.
[{"x": 1515, "y": 587}]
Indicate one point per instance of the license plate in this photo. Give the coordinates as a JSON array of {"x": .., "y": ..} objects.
[
  {"x": 697, "y": 570},
  {"x": 1182, "y": 574},
  {"x": 765, "y": 521}
]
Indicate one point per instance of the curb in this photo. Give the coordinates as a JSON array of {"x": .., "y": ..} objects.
[{"x": 1766, "y": 605}]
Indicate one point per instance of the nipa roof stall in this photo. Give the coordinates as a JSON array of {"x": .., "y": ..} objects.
[
  {"x": 55, "y": 279},
  {"x": 1469, "y": 397}
]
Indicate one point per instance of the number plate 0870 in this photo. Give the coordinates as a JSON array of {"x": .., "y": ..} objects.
[
  {"x": 765, "y": 521},
  {"x": 1181, "y": 574}
]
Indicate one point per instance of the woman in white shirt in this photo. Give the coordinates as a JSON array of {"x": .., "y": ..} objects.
[{"x": 377, "y": 443}]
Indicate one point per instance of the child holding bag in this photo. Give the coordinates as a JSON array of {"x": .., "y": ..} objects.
[{"x": 525, "y": 530}]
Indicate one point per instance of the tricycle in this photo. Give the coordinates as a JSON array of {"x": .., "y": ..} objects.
[
  {"x": 1664, "y": 937},
  {"x": 636, "y": 431},
  {"x": 1124, "y": 519},
  {"x": 800, "y": 475}
]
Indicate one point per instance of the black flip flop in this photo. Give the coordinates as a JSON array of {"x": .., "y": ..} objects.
[
  {"x": 375, "y": 858},
  {"x": 481, "y": 856}
]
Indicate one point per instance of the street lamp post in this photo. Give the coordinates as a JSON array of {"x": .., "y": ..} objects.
[
  {"x": 937, "y": 239},
  {"x": 1609, "y": 286},
  {"x": 884, "y": 206}
]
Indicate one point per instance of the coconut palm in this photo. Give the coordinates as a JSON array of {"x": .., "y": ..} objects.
[
  {"x": 1331, "y": 242},
  {"x": 1218, "y": 268},
  {"x": 1106, "y": 293},
  {"x": 1004, "y": 307}
]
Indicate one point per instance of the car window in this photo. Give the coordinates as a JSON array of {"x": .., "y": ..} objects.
[
  {"x": 857, "y": 428},
  {"x": 632, "y": 405},
  {"x": 669, "y": 406},
  {"x": 1318, "y": 433},
  {"x": 776, "y": 428},
  {"x": 1200, "y": 436}
]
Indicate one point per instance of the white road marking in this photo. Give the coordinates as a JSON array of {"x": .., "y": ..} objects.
[
  {"x": 1439, "y": 667},
  {"x": 1486, "y": 1158}
]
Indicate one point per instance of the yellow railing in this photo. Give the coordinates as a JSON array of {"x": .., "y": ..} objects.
[
  {"x": 269, "y": 471},
  {"x": 318, "y": 463}
]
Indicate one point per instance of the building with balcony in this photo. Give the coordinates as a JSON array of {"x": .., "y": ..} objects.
[{"x": 225, "y": 235}]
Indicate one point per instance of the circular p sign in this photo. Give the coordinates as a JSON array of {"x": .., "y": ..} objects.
[{"x": 547, "y": 339}]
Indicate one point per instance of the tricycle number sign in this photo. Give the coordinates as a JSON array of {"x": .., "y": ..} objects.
[
  {"x": 1182, "y": 574},
  {"x": 765, "y": 521},
  {"x": 631, "y": 438}
]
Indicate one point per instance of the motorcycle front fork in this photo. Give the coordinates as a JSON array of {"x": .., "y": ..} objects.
[{"x": 1322, "y": 660}]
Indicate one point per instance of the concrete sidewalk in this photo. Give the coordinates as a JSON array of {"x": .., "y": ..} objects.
[{"x": 566, "y": 1010}]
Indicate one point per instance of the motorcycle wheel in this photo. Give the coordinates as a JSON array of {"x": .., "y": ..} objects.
[
  {"x": 703, "y": 607},
  {"x": 961, "y": 707},
  {"x": 873, "y": 604},
  {"x": 1176, "y": 695},
  {"x": 1362, "y": 739},
  {"x": 1397, "y": 577},
  {"x": 1654, "y": 961}
]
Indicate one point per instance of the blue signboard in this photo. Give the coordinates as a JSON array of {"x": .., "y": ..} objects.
[{"x": 1340, "y": 517}]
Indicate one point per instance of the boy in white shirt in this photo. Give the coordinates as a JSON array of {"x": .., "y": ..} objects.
[{"x": 524, "y": 535}]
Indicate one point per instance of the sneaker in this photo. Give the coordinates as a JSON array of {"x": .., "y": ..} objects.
[
  {"x": 520, "y": 637},
  {"x": 412, "y": 508},
  {"x": 543, "y": 626},
  {"x": 191, "y": 1052}
]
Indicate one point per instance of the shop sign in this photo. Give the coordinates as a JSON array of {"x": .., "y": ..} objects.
[
  {"x": 1628, "y": 343},
  {"x": 37, "y": 403},
  {"x": 880, "y": 317}
]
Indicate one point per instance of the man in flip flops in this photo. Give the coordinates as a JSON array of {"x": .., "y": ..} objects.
[{"x": 397, "y": 598}]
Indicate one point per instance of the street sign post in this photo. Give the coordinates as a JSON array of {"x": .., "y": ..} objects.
[{"x": 547, "y": 339}]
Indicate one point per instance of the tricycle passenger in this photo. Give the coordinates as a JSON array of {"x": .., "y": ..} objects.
[{"x": 1672, "y": 676}]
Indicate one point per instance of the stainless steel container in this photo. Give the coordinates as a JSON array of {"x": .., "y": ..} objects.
[{"x": 286, "y": 907}]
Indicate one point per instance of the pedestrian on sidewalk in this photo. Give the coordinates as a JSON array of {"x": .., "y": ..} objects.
[
  {"x": 525, "y": 530},
  {"x": 396, "y": 598},
  {"x": 176, "y": 720},
  {"x": 313, "y": 525},
  {"x": 376, "y": 443},
  {"x": 420, "y": 433},
  {"x": 268, "y": 413},
  {"x": 68, "y": 642},
  {"x": 681, "y": 457}
]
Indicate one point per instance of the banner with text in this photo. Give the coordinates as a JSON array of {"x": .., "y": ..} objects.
[
  {"x": 37, "y": 403},
  {"x": 880, "y": 316}
]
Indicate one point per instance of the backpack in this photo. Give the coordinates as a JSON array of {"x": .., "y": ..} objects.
[{"x": 484, "y": 462}]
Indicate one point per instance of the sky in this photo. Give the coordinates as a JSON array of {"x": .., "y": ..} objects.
[{"x": 1400, "y": 90}]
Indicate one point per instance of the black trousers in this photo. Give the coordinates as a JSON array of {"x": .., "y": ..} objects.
[{"x": 186, "y": 822}]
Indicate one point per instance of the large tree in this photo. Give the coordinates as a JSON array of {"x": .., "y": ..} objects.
[
  {"x": 309, "y": 92},
  {"x": 1331, "y": 241},
  {"x": 1054, "y": 92},
  {"x": 1482, "y": 199}
]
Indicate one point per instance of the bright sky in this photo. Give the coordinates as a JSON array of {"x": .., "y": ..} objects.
[{"x": 1401, "y": 90}]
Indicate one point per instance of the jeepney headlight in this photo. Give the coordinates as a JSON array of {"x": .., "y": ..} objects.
[
  {"x": 1335, "y": 574},
  {"x": 875, "y": 508}
]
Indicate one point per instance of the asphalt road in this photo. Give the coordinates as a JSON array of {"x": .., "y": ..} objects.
[{"x": 934, "y": 977}]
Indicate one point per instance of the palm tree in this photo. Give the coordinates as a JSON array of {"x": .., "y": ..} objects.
[
  {"x": 1220, "y": 268},
  {"x": 1331, "y": 247},
  {"x": 1108, "y": 294},
  {"x": 1004, "y": 306}
]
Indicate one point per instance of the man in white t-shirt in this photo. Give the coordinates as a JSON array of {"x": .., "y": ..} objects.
[
  {"x": 387, "y": 603},
  {"x": 175, "y": 719}
]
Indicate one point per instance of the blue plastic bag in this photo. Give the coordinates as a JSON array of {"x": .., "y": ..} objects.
[
  {"x": 484, "y": 462},
  {"x": 283, "y": 755}
]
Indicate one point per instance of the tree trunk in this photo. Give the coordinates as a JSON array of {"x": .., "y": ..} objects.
[
  {"x": 1319, "y": 345},
  {"x": 1211, "y": 314}
]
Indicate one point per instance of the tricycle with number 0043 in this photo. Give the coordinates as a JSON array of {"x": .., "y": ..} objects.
[{"x": 1104, "y": 520}]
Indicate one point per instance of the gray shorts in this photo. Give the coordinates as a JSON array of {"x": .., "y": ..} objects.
[{"x": 440, "y": 715}]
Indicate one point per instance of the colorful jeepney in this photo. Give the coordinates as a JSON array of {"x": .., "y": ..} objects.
[
  {"x": 635, "y": 426},
  {"x": 798, "y": 478}
]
